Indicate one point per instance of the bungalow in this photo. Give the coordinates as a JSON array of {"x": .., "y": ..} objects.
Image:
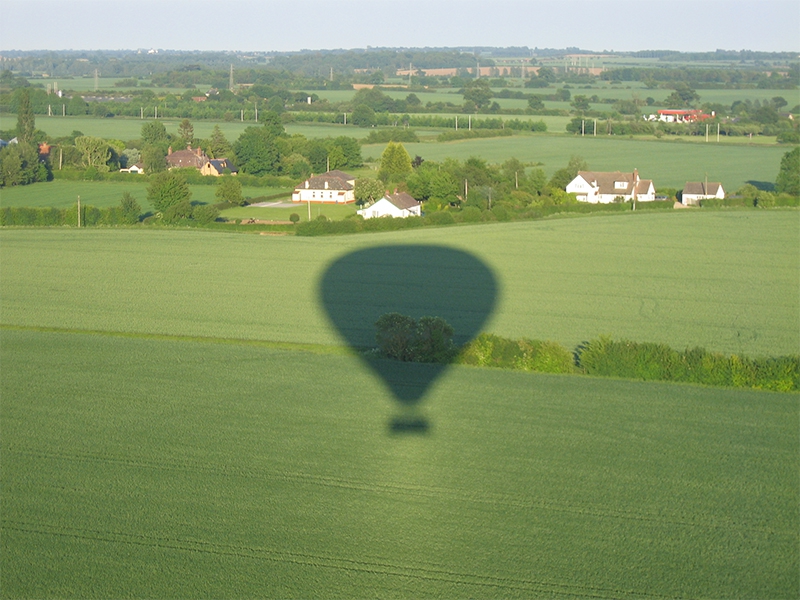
[
  {"x": 695, "y": 191},
  {"x": 333, "y": 187},
  {"x": 217, "y": 166},
  {"x": 680, "y": 116},
  {"x": 397, "y": 205},
  {"x": 604, "y": 188},
  {"x": 137, "y": 168},
  {"x": 186, "y": 158}
]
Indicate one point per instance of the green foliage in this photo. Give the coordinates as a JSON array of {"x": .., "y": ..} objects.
[
  {"x": 294, "y": 218},
  {"x": 26, "y": 122},
  {"x": 229, "y": 189},
  {"x": 154, "y": 133},
  {"x": 95, "y": 152},
  {"x": 166, "y": 190},
  {"x": 257, "y": 152},
  {"x": 381, "y": 136},
  {"x": 363, "y": 116},
  {"x": 204, "y": 214},
  {"x": 218, "y": 145},
  {"x": 400, "y": 337},
  {"x": 489, "y": 350},
  {"x": 395, "y": 162},
  {"x": 649, "y": 361},
  {"x": 465, "y": 134},
  {"x": 368, "y": 191},
  {"x": 19, "y": 165},
  {"x": 788, "y": 181},
  {"x": 478, "y": 92},
  {"x": 130, "y": 209}
]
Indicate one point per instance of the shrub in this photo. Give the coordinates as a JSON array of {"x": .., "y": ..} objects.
[
  {"x": 439, "y": 218},
  {"x": 294, "y": 218},
  {"x": 205, "y": 214}
]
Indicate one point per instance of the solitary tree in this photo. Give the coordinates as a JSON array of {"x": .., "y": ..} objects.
[
  {"x": 26, "y": 122},
  {"x": 168, "y": 189},
  {"x": 186, "y": 131},
  {"x": 478, "y": 92},
  {"x": 94, "y": 152},
  {"x": 154, "y": 132},
  {"x": 368, "y": 191},
  {"x": 219, "y": 145},
  {"x": 229, "y": 189},
  {"x": 395, "y": 162}
]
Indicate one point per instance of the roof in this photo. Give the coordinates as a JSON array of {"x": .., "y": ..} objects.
[
  {"x": 402, "y": 200},
  {"x": 187, "y": 158},
  {"x": 220, "y": 164},
  {"x": 606, "y": 182},
  {"x": 700, "y": 188},
  {"x": 336, "y": 180}
]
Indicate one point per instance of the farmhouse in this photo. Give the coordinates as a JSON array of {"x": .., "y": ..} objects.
[
  {"x": 397, "y": 205},
  {"x": 217, "y": 166},
  {"x": 186, "y": 158},
  {"x": 603, "y": 188},
  {"x": 694, "y": 191},
  {"x": 333, "y": 187}
]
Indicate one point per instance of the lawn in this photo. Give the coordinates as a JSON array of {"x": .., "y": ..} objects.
[{"x": 137, "y": 467}]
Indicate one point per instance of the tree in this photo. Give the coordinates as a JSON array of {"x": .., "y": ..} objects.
[
  {"x": 154, "y": 132},
  {"x": 788, "y": 181},
  {"x": 153, "y": 159},
  {"x": 535, "y": 103},
  {"x": 186, "y": 131},
  {"x": 229, "y": 189},
  {"x": 219, "y": 147},
  {"x": 580, "y": 103},
  {"x": 563, "y": 176},
  {"x": 94, "y": 152},
  {"x": 395, "y": 162},
  {"x": 130, "y": 209},
  {"x": 368, "y": 191},
  {"x": 478, "y": 92},
  {"x": 168, "y": 189},
  {"x": 682, "y": 97},
  {"x": 429, "y": 340},
  {"x": 336, "y": 159},
  {"x": 363, "y": 116},
  {"x": 26, "y": 122},
  {"x": 257, "y": 152}
]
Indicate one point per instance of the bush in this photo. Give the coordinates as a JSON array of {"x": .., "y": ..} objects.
[
  {"x": 489, "y": 350},
  {"x": 429, "y": 340},
  {"x": 205, "y": 214}
]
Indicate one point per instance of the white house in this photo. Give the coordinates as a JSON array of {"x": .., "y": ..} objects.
[
  {"x": 603, "y": 188},
  {"x": 694, "y": 191},
  {"x": 137, "y": 168},
  {"x": 399, "y": 206},
  {"x": 333, "y": 187}
]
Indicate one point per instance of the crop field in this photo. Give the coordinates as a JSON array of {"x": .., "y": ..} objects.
[
  {"x": 61, "y": 193},
  {"x": 669, "y": 163},
  {"x": 723, "y": 280},
  {"x": 142, "y": 467}
]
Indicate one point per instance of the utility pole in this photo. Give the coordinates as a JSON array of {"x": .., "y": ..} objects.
[
  {"x": 79, "y": 212},
  {"x": 456, "y": 122},
  {"x": 255, "y": 107},
  {"x": 718, "y": 133},
  {"x": 96, "y": 82},
  {"x": 230, "y": 79},
  {"x": 706, "y": 132}
]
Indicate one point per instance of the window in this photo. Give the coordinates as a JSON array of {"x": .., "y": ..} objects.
[{"x": 620, "y": 185}]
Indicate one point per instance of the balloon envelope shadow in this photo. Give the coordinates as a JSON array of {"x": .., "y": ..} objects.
[{"x": 414, "y": 280}]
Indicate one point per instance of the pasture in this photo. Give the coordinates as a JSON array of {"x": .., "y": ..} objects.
[
  {"x": 181, "y": 419},
  {"x": 174, "y": 468}
]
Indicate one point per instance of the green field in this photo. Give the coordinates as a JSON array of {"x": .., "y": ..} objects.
[
  {"x": 214, "y": 438},
  {"x": 669, "y": 163},
  {"x": 166, "y": 468},
  {"x": 62, "y": 194}
]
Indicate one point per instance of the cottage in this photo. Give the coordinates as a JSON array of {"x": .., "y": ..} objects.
[
  {"x": 137, "y": 168},
  {"x": 217, "y": 166},
  {"x": 397, "y": 205},
  {"x": 604, "y": 188},
  {"x": 333, "y": 187},
  {"x": 194, "y": 158},
  {"x": 695, "y": 191}
]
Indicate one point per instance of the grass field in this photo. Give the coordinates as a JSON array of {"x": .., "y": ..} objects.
[
  {"x": 61, "y": 193},
  {"x": 182, "y": 450},
  {"x": 270, "y": 473},
  {"x": 669, "y": 163}
]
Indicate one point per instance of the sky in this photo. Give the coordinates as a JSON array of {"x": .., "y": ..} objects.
[{"x": 283, "y": 25}]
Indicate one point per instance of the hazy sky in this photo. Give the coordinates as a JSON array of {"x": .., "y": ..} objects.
[{"x": 267, "y": 25}]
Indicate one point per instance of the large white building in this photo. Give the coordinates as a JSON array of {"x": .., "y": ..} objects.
[
  {"x": 604, "y": 188},
  {"x": 400, "y": 206},
  {"x": 333, "y": 187}
]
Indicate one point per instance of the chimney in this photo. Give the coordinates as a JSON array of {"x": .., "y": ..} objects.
[
  {"x": 326, "y": 185},
  {"x": 199, "y": 152},
  {"x": 169, "y": 150}
]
